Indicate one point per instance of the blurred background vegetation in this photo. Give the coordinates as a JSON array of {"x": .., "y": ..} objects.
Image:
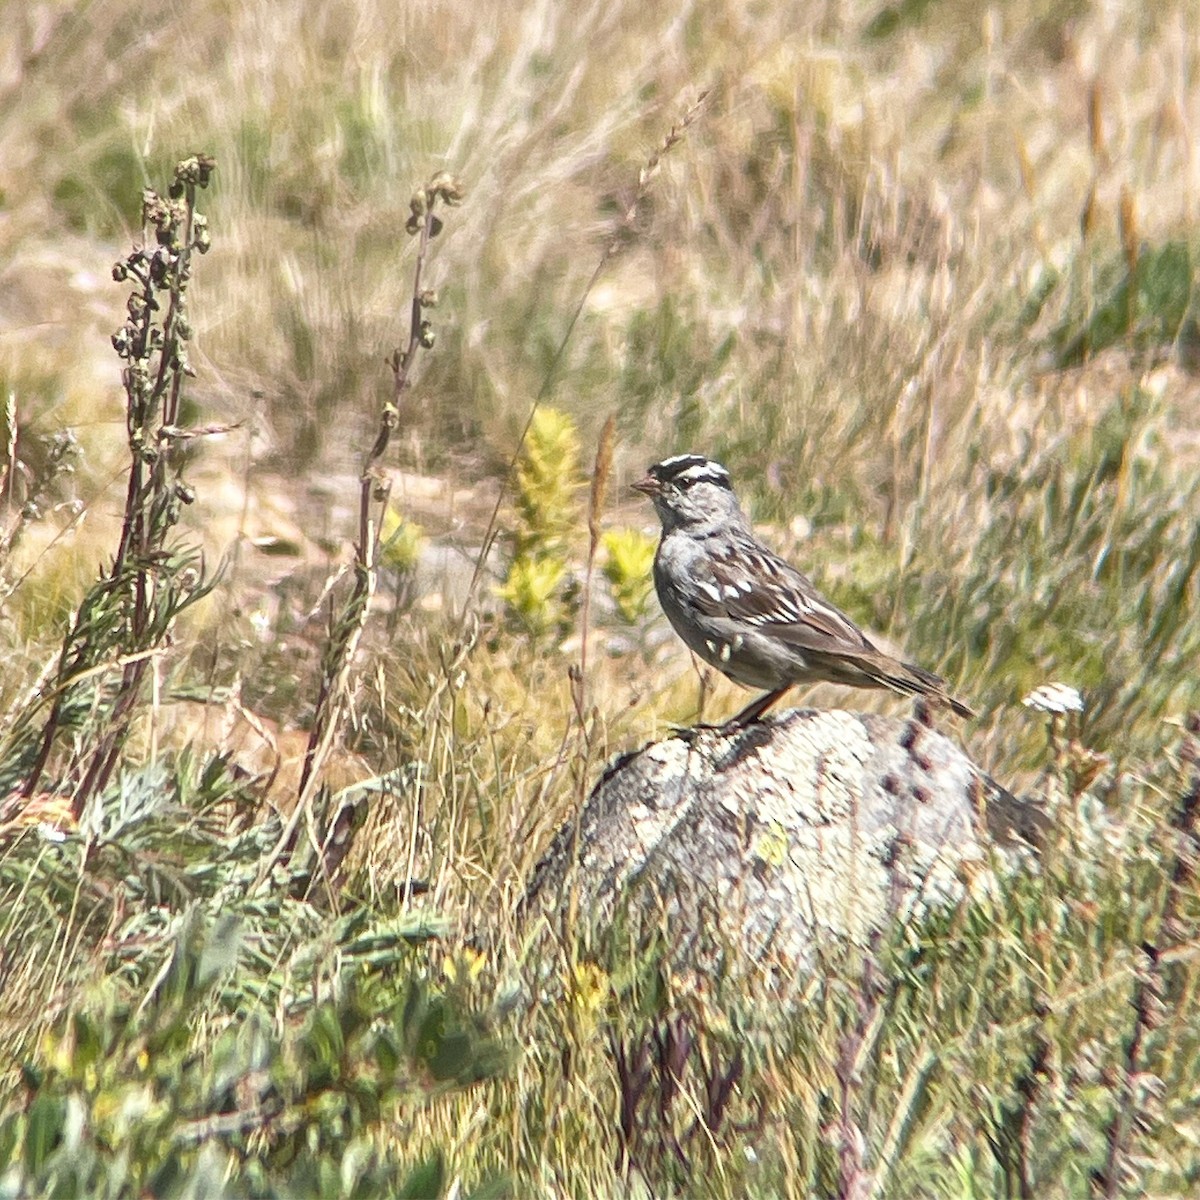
[{"x": 921, "y": 274}]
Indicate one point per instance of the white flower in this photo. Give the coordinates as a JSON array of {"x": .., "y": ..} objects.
[{"x": 1058, "y": 698}]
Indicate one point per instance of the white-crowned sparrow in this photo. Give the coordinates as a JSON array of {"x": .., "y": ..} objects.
[{"x": 748, "y": 613}]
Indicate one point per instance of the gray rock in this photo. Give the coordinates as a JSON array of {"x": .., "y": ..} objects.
[{"x": 809, "y": 830}]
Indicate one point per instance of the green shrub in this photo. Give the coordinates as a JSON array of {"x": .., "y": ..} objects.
[
  {"x": 628, "y": 563},
  {"x": 547, "y": 517}
]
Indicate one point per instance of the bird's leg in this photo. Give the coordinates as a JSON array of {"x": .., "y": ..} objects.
[
  {"x": 688, "y": 732},
  {"x": 754, "y": 710}
]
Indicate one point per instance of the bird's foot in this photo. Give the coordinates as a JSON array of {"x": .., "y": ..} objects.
[{"x": 689, "y": 733}]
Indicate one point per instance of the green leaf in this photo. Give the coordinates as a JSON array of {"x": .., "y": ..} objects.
[
  {"x": 387, "y": 1055},
  {"x": 88, "y": 1042},
  {"x": 452, "y": 1055},
  {"x": 323, "y": 1047},
  {"x": 43, "y": 1130},
  {"x": 413, "y": 1012},
  {"x": 426, "y": 1182},
  {"x": 9, "y": 1133},
  {"x": 433, "y": 1029}
]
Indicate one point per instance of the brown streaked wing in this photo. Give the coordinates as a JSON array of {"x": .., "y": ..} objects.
[{"x": 784, "y": 603}]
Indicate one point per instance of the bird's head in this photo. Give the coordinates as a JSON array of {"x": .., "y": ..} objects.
[{"x": 691, "y": 492}]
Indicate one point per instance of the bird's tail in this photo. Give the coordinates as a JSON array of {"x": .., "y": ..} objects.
[
  {"x": 873, "y": 668},
  {"x": 916, "y": 681}
]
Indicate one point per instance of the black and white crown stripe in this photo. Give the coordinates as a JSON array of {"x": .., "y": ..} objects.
[{"x": 687, "y": 469}]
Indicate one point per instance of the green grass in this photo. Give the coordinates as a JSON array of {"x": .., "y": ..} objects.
[{"x": 908, "y": 271}]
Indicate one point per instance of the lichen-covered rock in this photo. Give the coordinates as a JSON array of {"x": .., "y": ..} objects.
[{"x": 773, "y": 839}]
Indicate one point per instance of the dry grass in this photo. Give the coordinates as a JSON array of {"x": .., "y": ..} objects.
[{"x": 879, "y": 275}]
